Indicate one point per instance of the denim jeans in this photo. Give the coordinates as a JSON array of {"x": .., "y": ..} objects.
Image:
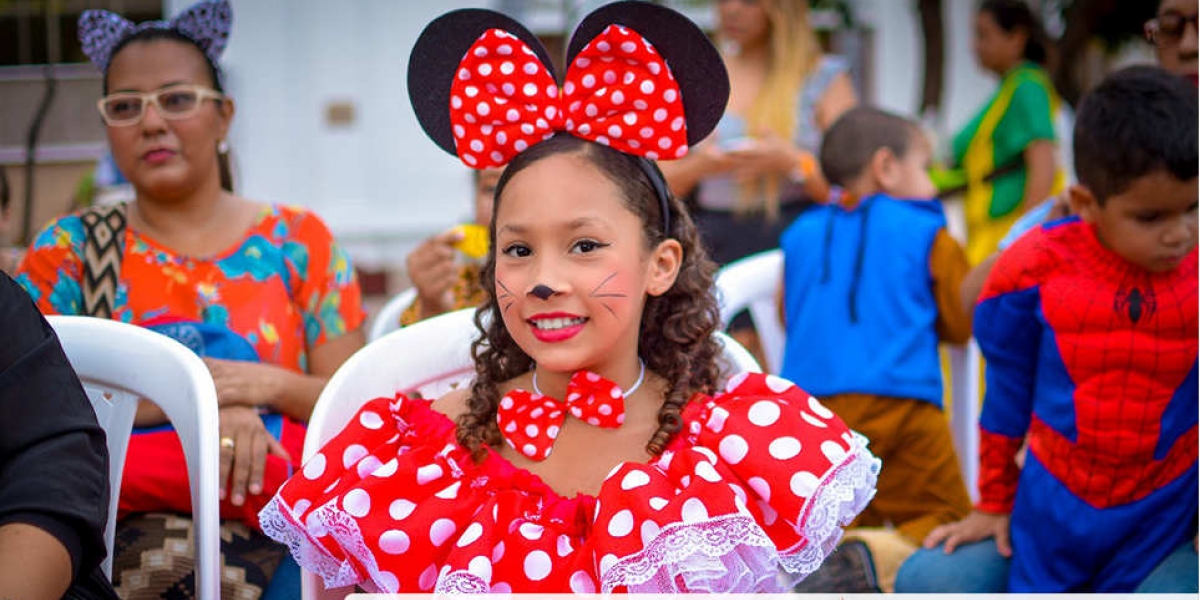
[
  {"x": 285, "y": 582},
  {"x": 979, "y": 568}
]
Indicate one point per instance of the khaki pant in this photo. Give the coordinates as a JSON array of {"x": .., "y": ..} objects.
[{"x": 920, "y": 485}]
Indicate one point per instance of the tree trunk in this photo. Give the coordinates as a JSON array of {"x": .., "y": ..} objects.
[{"x": 933, "y": 32}]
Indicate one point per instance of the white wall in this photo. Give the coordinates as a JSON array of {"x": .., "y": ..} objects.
[
  {"x": 379, "y": 182},
  {"x": 898, "y": 59},
  {"x": 967, "y": 85}
]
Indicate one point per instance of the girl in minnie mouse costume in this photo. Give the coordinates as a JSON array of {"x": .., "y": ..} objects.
[{"x": 654, "y": 483}]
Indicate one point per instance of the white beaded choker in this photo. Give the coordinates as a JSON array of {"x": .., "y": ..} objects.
[{"x": 633, "y": 388}]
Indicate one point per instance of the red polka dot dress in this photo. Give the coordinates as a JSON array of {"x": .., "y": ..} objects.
[{"x": 759, "y": 482}]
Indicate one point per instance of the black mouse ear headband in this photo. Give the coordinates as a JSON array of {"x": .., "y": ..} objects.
[{"x": 642, "y": 79}]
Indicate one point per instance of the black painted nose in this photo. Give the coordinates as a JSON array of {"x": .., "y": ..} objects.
[{"x": 542, "y": 291}]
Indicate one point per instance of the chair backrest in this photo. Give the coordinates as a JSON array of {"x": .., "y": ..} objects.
[
  {"x": 119, "y": 363},
  {"x": 388, "y": 319},
  {"x": 432, "y": 357},
  {"x": 750, "y": 284},
  {"x": 966, "y": 388}
]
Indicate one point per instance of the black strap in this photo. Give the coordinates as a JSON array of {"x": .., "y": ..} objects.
[
  {"x": 103, "y": 246},
  {"x": 1012, "y": 166}
]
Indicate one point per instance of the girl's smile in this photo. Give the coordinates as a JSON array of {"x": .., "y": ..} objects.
[{"x": 556, "y": 326}]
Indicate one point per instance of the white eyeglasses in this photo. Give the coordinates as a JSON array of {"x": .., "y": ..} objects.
[{"x": 175, "y": 102}]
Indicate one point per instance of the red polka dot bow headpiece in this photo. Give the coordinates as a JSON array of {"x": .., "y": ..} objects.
[{"x": 641, "y": 78}]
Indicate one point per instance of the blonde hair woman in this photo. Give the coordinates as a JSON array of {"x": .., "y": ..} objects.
[{"x": 757, "y": 172}]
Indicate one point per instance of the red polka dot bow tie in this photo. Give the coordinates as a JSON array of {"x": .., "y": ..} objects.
[
  {"x": 531, "y": 421},
  {"x": 617, "y": 91}
]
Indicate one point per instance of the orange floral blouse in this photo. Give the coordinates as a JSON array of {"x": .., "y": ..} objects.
[{"x": 286, "y": 287}]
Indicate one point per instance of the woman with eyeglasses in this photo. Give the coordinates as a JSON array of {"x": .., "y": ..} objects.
[
  {"x": 1005, "y": 155},
  {"x": 1173, "y": 32},
  {"x": 261, "y": 291}
]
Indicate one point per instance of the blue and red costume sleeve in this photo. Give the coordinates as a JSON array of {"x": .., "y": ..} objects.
[{"x": 1009, "y": 332}]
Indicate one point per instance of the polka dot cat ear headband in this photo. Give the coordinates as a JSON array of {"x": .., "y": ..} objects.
[
  {"x": 642, "y": 79},
  {"x": 207, "y": 23}
]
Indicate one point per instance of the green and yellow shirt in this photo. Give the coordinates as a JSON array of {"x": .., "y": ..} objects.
[{"x": 1022, "y": 111}]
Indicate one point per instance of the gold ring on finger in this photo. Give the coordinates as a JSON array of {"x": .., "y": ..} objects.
[{"x": 227, "y": 442}]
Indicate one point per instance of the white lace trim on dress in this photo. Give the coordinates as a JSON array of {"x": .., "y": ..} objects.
[{"x": 842, "y": 494}]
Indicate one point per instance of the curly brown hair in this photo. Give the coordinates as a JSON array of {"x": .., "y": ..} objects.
[{"x": 676, "y": 339}]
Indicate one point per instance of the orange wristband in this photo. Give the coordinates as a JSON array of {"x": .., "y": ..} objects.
[{"x": 805, "y": 169}]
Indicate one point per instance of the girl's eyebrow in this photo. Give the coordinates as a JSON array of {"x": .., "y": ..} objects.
[
  {"x": 518, "y": 229},
  {"x": 583, "y": 222}
]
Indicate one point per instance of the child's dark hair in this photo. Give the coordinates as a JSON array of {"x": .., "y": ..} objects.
[
  {"x": 1012, "y": 15},
  {"x": 1137, "y": 121},
  {"x": 214, "y": 75},
  {"x": 854, "y": 138},
  {"x": 676, "y": 331}
]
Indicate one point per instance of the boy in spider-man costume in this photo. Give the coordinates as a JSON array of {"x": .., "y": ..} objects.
[{"x": 1089, "y": 327}]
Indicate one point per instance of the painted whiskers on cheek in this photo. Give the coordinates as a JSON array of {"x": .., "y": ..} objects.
[
  {"x": 596, "y": 293},
  {"x": 505, "y": 299}
]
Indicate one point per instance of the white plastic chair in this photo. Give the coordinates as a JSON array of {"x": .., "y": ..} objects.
[
  {"x": 750, "y": 284},
  {"x": 431, "y": 357},
  {"x": 966, "y": 382},
  {"x": 120, "y": 363},
  {"x": 388, "y": 319}
]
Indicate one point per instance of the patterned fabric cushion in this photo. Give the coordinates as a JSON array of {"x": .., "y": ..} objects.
[{"x": 154, "y": 557}]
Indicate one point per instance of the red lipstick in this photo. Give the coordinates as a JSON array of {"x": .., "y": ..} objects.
[{"x": 556, "y": 326}]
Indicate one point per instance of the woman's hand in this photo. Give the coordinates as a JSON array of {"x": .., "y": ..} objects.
[
  {"x": 245, "y": 443},
  {"x": 769, "y": 155},
  {"x": 702, "y": 161},
  {"x": 432, "y": 271},
  {"x": 1061, "y": 207},
  {"x": 1041, "y": 167},
  {"x": 710, "y": 158},
  {"x": 977, "y": 526},
  {"x": 244, "y": 383}
]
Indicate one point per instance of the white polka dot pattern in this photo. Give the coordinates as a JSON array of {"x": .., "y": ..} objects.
[
  {"x": 530, "y": 423},
  {"x": 357, "y": 503},
  {"x": 394, "y": 541},
  {"x": 581, "y": 583},
  {"x": 439, "y": 516},
  {"x": 441, "y": 530},
  {"x": 537, "y": 565},
  {"x": 481, "y": 567},
  {"x": 315, "y": 467},
  {"x": 621, "y": 524},
  {"x": 502, "y": 102}
]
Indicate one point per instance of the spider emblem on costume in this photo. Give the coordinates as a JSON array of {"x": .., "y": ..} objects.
[{"x": 1135, "y": 302}]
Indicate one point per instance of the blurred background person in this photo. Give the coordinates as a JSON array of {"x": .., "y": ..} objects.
[
  {"x": 1173, "y": 33},
  {"x": 444, "y": 268},
  {"x": 758, "y": 171},
  {"x": 1006, "y": 154}
]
